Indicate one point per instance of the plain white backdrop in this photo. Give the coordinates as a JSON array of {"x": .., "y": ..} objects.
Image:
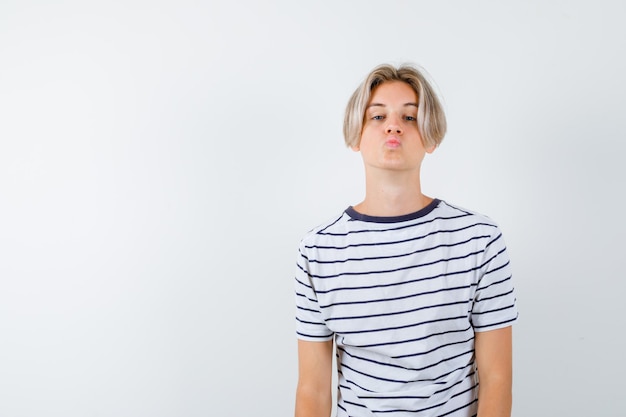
[{"x": 160, "y": 160}]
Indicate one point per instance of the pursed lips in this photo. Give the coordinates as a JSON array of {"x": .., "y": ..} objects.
[{"x": 392, "y": 142}]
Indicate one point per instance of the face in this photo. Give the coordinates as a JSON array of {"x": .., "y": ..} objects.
[{"x": 390, "y": 139}]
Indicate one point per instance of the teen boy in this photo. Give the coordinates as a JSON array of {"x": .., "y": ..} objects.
[{"x": 415, "y": 293}]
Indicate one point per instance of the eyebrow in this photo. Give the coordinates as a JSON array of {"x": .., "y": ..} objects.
[{"x": 383, "y": 105}]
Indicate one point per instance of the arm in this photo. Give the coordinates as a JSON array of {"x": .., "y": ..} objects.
[
  {"x": 494, "y": 363},
  {"x": 313, "y": 395}
]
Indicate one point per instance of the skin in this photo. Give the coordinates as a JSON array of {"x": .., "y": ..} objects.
[
  {"x": 493, "y": 350},
  {"x": 313, "y": 394},
  {"x": 392, "y": 152}
]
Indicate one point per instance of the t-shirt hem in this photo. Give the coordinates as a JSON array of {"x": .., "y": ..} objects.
[
  {"x": 314, "y": 338},
  {"x": 501, "y": 325}
]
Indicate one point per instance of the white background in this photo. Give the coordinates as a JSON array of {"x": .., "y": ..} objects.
[{"x": 160, "y": 160}]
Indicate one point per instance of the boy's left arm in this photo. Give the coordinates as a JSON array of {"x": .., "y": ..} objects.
[{"x": 495, "y": 374}]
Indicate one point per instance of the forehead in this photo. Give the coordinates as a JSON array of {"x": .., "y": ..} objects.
[{"x": 392, "y": 92}]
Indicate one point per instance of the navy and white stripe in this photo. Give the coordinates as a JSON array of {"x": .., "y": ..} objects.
[{"x": 403, "y": 296}]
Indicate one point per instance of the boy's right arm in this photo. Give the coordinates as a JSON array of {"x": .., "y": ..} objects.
[{"x": 313, "y": 395}]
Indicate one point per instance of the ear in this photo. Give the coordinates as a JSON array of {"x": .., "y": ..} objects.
[
  {"x": 356, "y": 148},
  {"x": 431, "y": 149}
]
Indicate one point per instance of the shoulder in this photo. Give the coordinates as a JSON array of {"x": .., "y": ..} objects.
[
  {"x": 332, "y": 226},
  {"x": 453, "y": 210},
  {"x": 459, "y": 219}
]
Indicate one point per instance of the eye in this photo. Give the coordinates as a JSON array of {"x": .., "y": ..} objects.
[
  {"x": 410, "y": 118},
  {"x": 378, "y": 117}
]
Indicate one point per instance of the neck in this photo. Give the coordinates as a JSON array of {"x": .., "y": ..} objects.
[{"x": 392, "y": 194}]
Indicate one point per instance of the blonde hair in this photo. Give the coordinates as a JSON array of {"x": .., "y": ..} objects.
[{"x": 431, "y": 120}]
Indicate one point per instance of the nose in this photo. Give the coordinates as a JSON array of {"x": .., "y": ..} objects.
[{"x": 393, "y": 126}]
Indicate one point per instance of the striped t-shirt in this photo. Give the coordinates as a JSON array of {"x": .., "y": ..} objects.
[{"x": 403, "y": 296}]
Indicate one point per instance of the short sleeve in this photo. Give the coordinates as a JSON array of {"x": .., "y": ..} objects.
[
  {"x": 310, "y": 324},
  {"x": 494, "y": 305}
]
